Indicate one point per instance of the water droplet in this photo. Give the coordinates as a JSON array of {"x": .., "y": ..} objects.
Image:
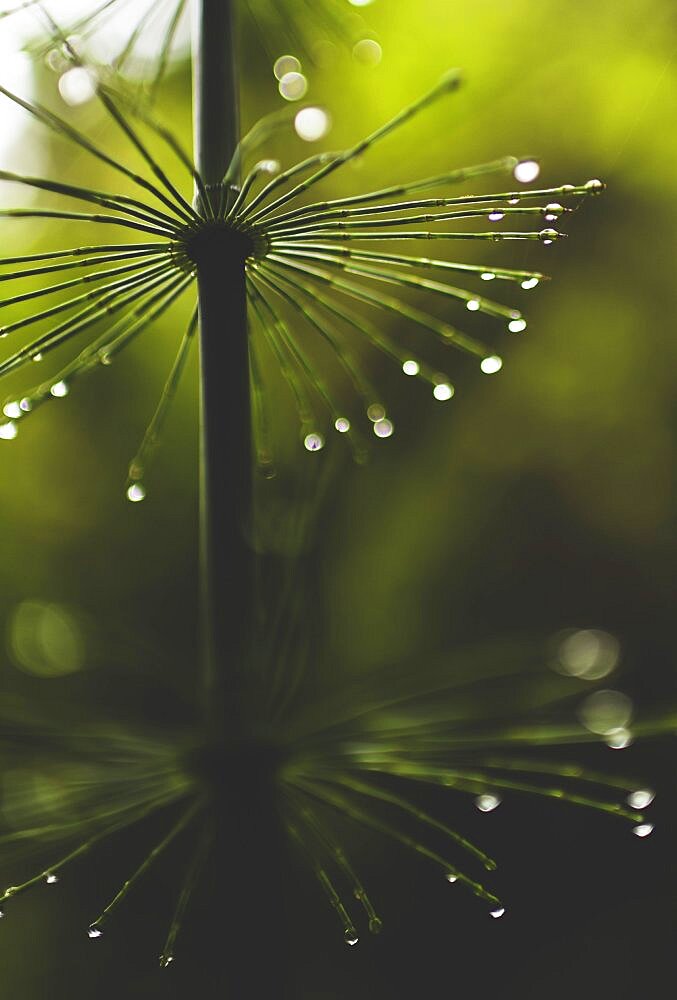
[
  {"x": 26, "y": 404},
  {"x": 51, "y": 879},
  {"x": 496, "y": 216},
  {"x": 620, "y": 740},
  {"x": 376, "y": 412},
  {"x": 529, "y": 283},
  {"x": 94, "y": 932},
  {"x": 517, "y": 325},
  {"x": 526, "y": 171},
  {"x": 553, "y": 211},
  {"x": 498, "y": 912},
  {"x": 293, "y": 86},
  {"x": 37, "y": 357},
  {"x": 383, "y": 428},
  {"x": 375, "y": 925},
  {"x": 8, "y": 431},
  {"x": 284, "y": 65},
  {"x": 342, "y": 425},
  {"x": 268, "y": 166},
  {"x": 451, "y": 877},
  {"x": 486, "y": 802},
  {"x": 443, "y": 390},
  {"x": 409, "y": 368},
  {"x": 12, "y": 410},
  {"x": 594, "y": 186},
  {"x": 77, "y": 85},
  {"x": 491, "y": 365},
  {"x": 313, "y": 442},
  {"x": 166, "y": 960},
  {"x": 312, "y": 124},
  {"x": 642, "y": 798},
  {"x": 642, "y": 829},
  {"x": 2, "y": 913},
  {"x": 487, "y": 275},
  {"x": 513, "y": 201},
  {"x": 350, "y": 936},
  {"x": 59, "y": 390},
  {"x": 55, "y": 61},
  {"x": 105, "y": 358},
  {"x": 368, "y": 51},
  {"x": 473, "y": 305},
  {"x": 548, "y": 236},
  {"x": 136, "y": 493}
]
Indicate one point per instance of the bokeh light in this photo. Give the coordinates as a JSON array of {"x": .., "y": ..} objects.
[
  {"x": 606, "y": 712},
  {"x": 588, "y": 653},
  {"x": 383, "y": 428},
  {"x": 368, "y": 51},
  {"x": 286, "y": 64},
  {"x": 46, "y": 639},
  {"x": 293, "y": 86}
]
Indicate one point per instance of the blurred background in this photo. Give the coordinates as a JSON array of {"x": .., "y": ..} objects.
[{"x": 538, "y": 500}]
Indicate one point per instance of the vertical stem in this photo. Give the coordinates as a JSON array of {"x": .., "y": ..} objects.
[
  {"x": 216, "y": 94},
  {"x": 225, "y": 417},
  {"x": 226, "y": 491},
  {"x": 242, "y": 944}
]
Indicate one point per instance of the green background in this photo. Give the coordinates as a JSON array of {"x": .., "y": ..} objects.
[{"x": 539, "y": 499}]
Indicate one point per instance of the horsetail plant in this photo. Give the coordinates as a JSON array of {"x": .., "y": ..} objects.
[
  {"x": 351, "y": 757},
  {"x": 304, "y": 255},
  {"x": 274, "y": 273}
]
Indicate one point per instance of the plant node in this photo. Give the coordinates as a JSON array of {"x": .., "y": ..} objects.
[
  {"x": 248, "y": 765},
  {"x": 215, "y": 244}
]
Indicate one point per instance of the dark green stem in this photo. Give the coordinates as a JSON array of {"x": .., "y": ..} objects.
[
  {"x": 216, "y": 93},
  {"x": 225, "y": 419},
  {"x": 225, "y": 502},
  {"x": 241, "y": 948}
]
